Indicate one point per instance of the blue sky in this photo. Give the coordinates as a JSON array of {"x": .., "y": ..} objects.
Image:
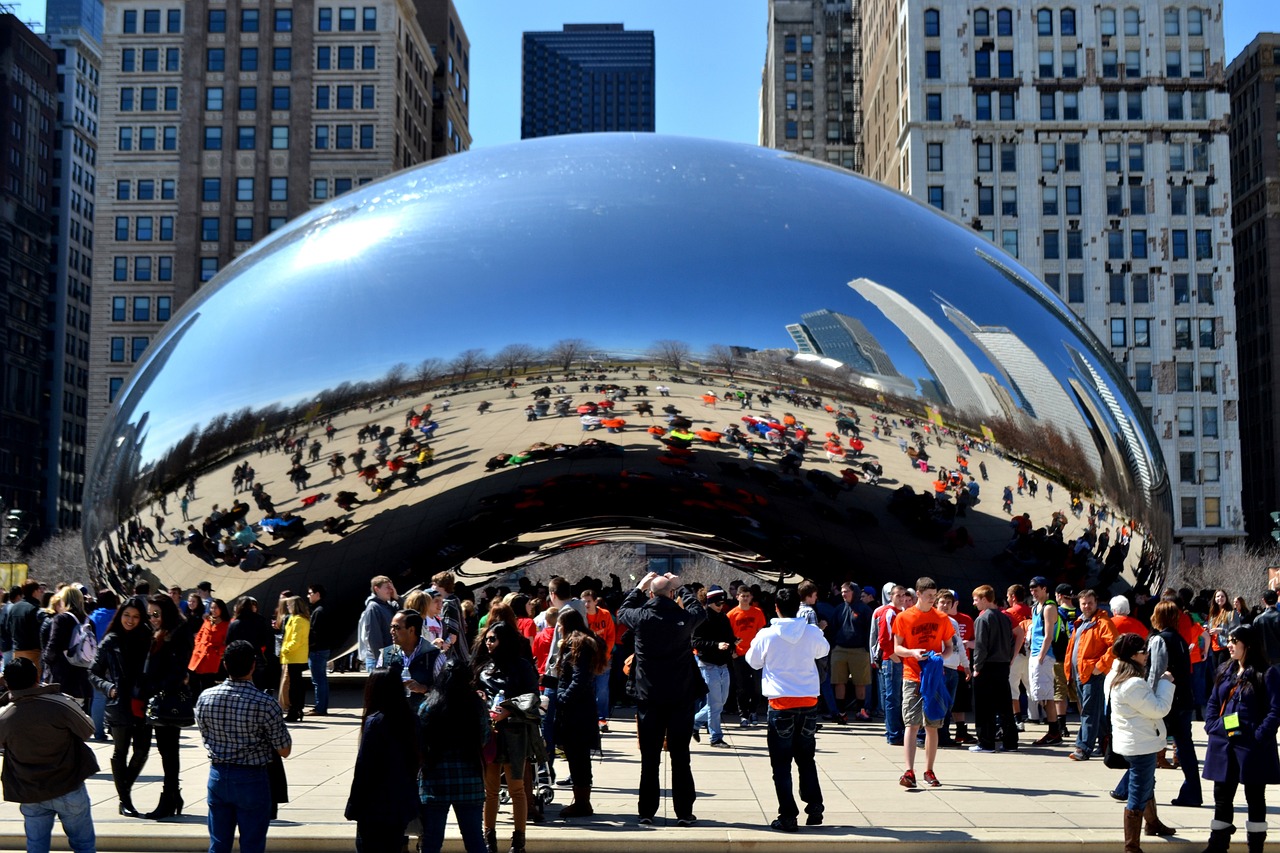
[{"x": 709, "y": 56}]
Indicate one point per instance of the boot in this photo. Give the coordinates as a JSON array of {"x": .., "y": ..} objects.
[
  {"x": 124, "y": 787},
  {"x": 1220, "y": 833},
  {"x": 1257, "y": 834},
  {"x": 1152, "y": 820},
  {"x": 1132, "y": 831},
  {"x": 517, "y": 842},
  {"x": 491, "y": 840},
  {"x": 581, "y": 805},
  {"x": 169, "y": 805}
]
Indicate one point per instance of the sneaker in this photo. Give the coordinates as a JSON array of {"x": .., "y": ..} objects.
[
  {"x": 697, "y": 734},
  {"x": 813, "y": 820},
  {"x": 842, "y": 719},
  {"x": 1063, "y": 730},
  {"x": 566, "y": 782},
  {"x": 1050, "y": 739},
  {"x": 604, "y": 728},
  {"x": 720, "y": 744},
  {"x": 744, "y": 723},
  {"x": 964, "y": 739},
  {"x": 1078, "y": 755},
  {"x": 895, "y": 742},
  {"x": 908, "y": 779},
  {"x": 931, "y": 780},
  {"x": 754, "y": 721},
  {"x": 862, "y": 716},
  {"x": 977, "y": 747},
  {"x": 1022, "y": 726},
  {"x": 687, "y": 820},
  {"x": 785, "y": 824}
]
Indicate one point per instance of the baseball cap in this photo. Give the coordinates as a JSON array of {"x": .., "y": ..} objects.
[
  {"x": 205, "y": 585},
  {"x": 869, "y": 590},
  {"x": 1065, "y": 589},
  {"x": 1039, "y": 580}
]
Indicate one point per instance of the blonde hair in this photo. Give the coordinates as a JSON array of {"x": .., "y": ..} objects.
[
  {"x": 72, "y": 599},
  {"x": 416, "y": 600},
  {"x": 296, "y": 605}
]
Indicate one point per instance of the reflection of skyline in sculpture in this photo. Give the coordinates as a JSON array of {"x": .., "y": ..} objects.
[
  {"x": 847, "y": 340},
  {"x": 1131, "y": 446},
  {"x": 1038, "y": 392},
  {"x": 958, "y": 379}
]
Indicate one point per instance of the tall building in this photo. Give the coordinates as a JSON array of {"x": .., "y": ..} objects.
[
  {"x": 73, "y": 29},
  {"x": 1091, "y": 143},
  {"x": 811, "y": 87},
  {"x": 221, "y": 123},
  {"x": 1254, "y": 81},
  {"x": 587, "y": 78},
  {"x": 451, "y": 106},
  {"x": 28, "y": 111}
]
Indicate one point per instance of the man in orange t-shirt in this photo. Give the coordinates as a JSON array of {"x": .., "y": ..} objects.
[
  {"x": 747, "y": 620},
  {"x": 600, "y": 621},
  {"x": 917, "y": 631}
]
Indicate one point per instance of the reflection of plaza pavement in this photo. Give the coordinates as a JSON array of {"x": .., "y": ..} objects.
[
  {"x": 1032, "y": 800},
  {"x": 394, "y": 533}
]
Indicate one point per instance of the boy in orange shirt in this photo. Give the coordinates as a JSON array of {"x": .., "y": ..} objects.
[
  {"x": 917, "y": 631},
  {"x": 600, "y": 621},
  {"x": 747, "y": 620}
]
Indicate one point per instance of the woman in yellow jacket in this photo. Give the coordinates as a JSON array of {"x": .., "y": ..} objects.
[{"x": 293, "y": 655}]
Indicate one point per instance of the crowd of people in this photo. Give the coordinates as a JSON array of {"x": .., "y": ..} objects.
[{"x": 469, "y": 705}]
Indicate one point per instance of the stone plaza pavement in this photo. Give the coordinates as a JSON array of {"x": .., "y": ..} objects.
[{"x": 1033, "y": 800}]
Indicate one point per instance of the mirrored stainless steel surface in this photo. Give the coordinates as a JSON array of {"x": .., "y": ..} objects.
[{"x": 512, "y": 289}]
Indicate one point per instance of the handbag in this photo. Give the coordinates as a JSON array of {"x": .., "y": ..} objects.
[{"x": 172, "y": 708}]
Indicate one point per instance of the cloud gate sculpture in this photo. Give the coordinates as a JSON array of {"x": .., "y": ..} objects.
[{"x": 523, "y": 350}]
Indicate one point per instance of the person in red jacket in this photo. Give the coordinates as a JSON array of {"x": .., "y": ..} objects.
[
  {"x": 542, "y": 641},
  {"x": 210, "y": 643},
  {"x": 747, "y": 620},
  {"x": 600, "y": 621}
]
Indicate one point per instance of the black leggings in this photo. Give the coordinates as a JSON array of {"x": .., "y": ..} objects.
[
  {"x": 297, "y": 689},
  {"x": 125, "y": 738},
  {"x": 1224, "y": 795},
  {"x": 167, "y": 746}
]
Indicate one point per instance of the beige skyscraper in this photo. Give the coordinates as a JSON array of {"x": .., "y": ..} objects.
[
  {"x": 223, "y": 120},
  {"x": 811, "y": 88}
]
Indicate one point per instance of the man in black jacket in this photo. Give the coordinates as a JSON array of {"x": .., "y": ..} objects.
[
  {"x": 714, "y": 641},
  {"x": 319, "y": 643},
  {"x": 992, "y": 652},
  {"x": 667, "y": 686}
]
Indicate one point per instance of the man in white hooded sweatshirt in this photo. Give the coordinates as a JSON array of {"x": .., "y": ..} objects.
[{"x": 788, "y": 651}]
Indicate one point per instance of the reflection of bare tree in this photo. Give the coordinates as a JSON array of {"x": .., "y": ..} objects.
[
  {"x": 467, "y": 362},
  {"x": 669, "y": 353},
  {"x": 724, "y": 358},
  {"x": 427, "y": 372},
  {"x": 59, "y": 559},
  {"x": 515, "y": 357},
  {"x": 565, "y": 352},
  {"x": 395, "y": 377},
  {"x": 774, "y": 365}
]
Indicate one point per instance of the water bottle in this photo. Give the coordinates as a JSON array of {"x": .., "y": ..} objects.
[{"x": 497, "y": 703}]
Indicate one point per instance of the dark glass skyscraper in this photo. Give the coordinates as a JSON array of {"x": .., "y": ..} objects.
[{"x": 587, "y": 78}]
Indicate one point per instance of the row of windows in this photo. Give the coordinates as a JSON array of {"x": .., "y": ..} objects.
[
  {"x": 150, "y": 59},
  {"x": 246, "y": 137},
  {"x": 344, "y": 97},
  {"x": 346, "y": 19},
  {"x": 1206, "y": 328},
  {"x": 343, "y": 136},
  {"x": 346, "y": 58},
  {"x": 1122, "y": 289},
  {"x": 250, "y": 20},
  {"x": 281, "y": 59},
  {"x": 1210, "y": 470},
  {"x": 149, "y": 98},
  {"x": 241, "y": 231},
  {"x": 1197, "y": 63},
  {"x": 143, "y": 228},
  {"x": 144, "y": 269},
  {"x": 246, "y": 98},
  {"x": 1107, "y": 22},
  {"x": 1117, "y": 157},
  {"x": 211, "y": 189},
  {"x": 138, "y": 345},
  {"x": 141, "y": 308},
  {"x": 322, "y": 187},
  {"x": 144, "y": 189},
  {"x": 147, "y": 138},
  {"x": 151, "y": 21},
  {"x": 789, "y": 43}
]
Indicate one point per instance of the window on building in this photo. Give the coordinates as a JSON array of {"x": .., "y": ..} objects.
[
  {"x": 932, "y": 23},
  {"x": 322, "y": 135},
  {"x": 1048, "y": 156},
  {"x": 981, "y": 22},
  {"x": 933, "y": 151},
  {"x": 936, "y": 197},
  {"x": 984, "y": 156},
  {"x": 1196, "y": 62},
  {"x": 244, "y": 229},
  {"x": 324, "y": 19},
  {"x": 129, "y": 24},
  {"x": 1008, "y": 201},
  {"x": 1171, "y": 21},
  {"x": 280, "y": 137},
  {"x": 1173, "y": 106},
  {"x": 1141, "y": 288},
  {"x": 117, "y": 349},
  {"x": 1177, "y": 157},
  {"x": 119, "y": 306},
  {"x": 246, "y": 138},
  {"x": 1115, "y": 289},
  {"x": 120, "y": 267},
  {"x": 1204, "y": 244},
  {"x": 1133, "y": 106},
  {"x": 1052, "y": 249},
  {"x": 1212, "y": 470},
  {"x": 279, "y": 97},
  {"x": 982, "y": 106},
  {"x": 1045, "y": 66},
  {"x": 1074, "y": 203},
  {"x": 1070, "y": 64},
  {"x": 141, "y": 309},
  {"x": 1004, "y": 22},
  {"x": 164, "y": 304},
  {"x": 208, "y": 268},
  {"x": 1044, "y": 22},
  {"x": 367, "y": 97},
  {"x": 1208, "y": 332},
  {"x": 244, "y": 189},
  {"x": 215, "y": 59},
  {"x": 281, "y": 59},
  {"x": 322, "y": 58},
  {"x": 1048, "y": 111},
  {"x": 279, "y": 189},
  {"x": 1008, "y": 157},
  {"x": 1138, "y": 244},
  {"x": 1071, "y": 156},
  {"x": 1142, "y": 376},
  {"x": 1075, "y": 245},
  {"x": 1208, "y": 377},
  {"x": 1111, "y": 106},
  {"x": 1142, "y": 332},
  {"x": 1209, "y": 421},
  {"x": 1178, "y": 200},
  {"x": 1049, "y": 201},
  {"x": 142, "y": 269},
  {"x": 347, "y": 19},
  {"x": 370, "y": 21},
  {"x": 1005, "y": 59},
  {"x": 213, "y": 138},
  {"x": 1186, "y": 421},
  {"x": 1173, "y": 63},
  {"x": 1199, "y": 106},
  {"x": 1181, "y": 289},
  {"x": 986, "y": 201},
  {"x": 1115, "y": 244},
  {"x": 248, "y": 96},
  {"x": 1118, "y": 332},
  {"x": 144, "y": 228},
  {"x": 344, "y": 136},
  {"x": 346, "y": 97},
  {"x": 1009, "y": 241},
  {"x": 248, "y": 20},
  {"x": 1181, "y": 333},
  {"x": 982, "y": 63},
  {"x": 283, "y": 20},
  {"x": 1007, "y": 111},
  {"x": 1067, "y": 18},
  {"x": 213, "y": 98},
  {"x": 168, "y": 189},
  {"x": 248, "y": 59},
  {"x": 1204, "y": 288},
  {"x": 932, "y": 64},
  {"x": 1187, "y": 467},
  {"x": 1195, "y": 22},
  {"x": 1075, "y": 287},
  {"x": 1114, "y": 201},
  {"x": 210, "y": 226},
  {"x": 346, "y": 57}
]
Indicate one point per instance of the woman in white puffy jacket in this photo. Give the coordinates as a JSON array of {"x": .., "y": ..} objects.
[{"x": 1137, "y": 726}]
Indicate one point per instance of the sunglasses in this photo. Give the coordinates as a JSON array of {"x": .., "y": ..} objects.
[
  {"x": 154, "y": 614},
  {"x": 491, "y": 639}
]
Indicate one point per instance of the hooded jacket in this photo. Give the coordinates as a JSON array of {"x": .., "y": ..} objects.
[
  {"x": 43, "y": 735},
  {"x": 665, "y": 669},
  {"x": 787, "y": 652},
  {"x": 1137, "y": 714},
  {"x": 375, "y": 625}
]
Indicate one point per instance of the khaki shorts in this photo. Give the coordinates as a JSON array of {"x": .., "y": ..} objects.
[
  {"x": 1018, "y": 675},
  {"x": 1040, "y": 683},
  {"x": 913, "y": 706},
  {"x": 1063, "y": 690},
  {"x": 850, "y": 663}
]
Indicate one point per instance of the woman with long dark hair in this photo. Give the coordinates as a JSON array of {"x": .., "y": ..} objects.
[
  {"x": 504, "y": 672},
  {"x": 454, "y": 728},
  {"x": 1219, "y": 626},
  {"x": 580, "y": 660},
  {"x": 166, "y": 670},
  {"x": 117, "y": 671},
  {"x": 210, "y": 643},
  {"x": 1169, "y": 653},
  {"x": 1137, "y": 726},
  {"x": 1241, "y": 720},
  {"x": 382, "y": 799}
]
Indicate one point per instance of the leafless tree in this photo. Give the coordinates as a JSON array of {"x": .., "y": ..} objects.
[
  {"x": 395, "y": 377},
  {"x": 515, "y": 357},
  {"x": 58, "y": 559},
  {"x": 1238, "y": 570},
  {"x": 724, "y": 358},
  {"x": 669, "y": 353},
  {"x": 428, "y": 371},
  {"x": 467, "y": 362},
  {"x": 564, "y": 352}
]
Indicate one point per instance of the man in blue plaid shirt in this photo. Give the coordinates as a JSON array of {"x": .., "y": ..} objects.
[{"x": 242, "y": 728}]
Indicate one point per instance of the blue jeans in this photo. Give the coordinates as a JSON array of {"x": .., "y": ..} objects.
[
  {"x": 791, "y": 738},
  {"x": 602, "y": 695},
  {"x": 72, "y": 809},
  {"x": 238, "y": 796},
  {"x": 1142, "y": 781},
  {"x": 891, "y": 699},
  {"x": 436, "y": 815},
  {"x": 98, "y": 714},
  {"x": 717, "y": 678},
  {"x": 318, "y": 661},
  {"x": 1090, "y": 712}
]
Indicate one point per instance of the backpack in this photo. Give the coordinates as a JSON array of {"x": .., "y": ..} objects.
[{"x": 84, "y": 646}]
